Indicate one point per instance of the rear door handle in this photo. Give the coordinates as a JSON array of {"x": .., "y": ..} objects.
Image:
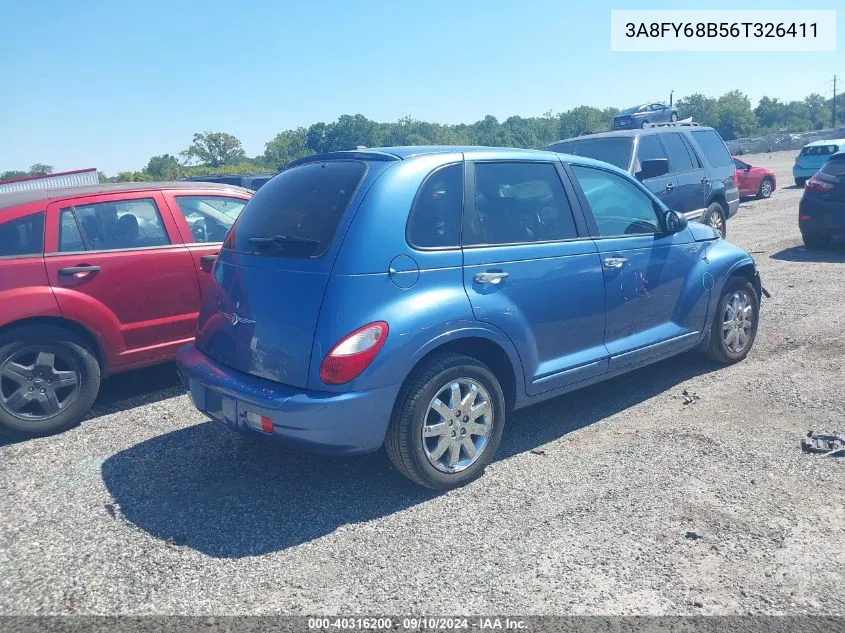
[
  {"x": 705, "y": 181},
  {"x": 669, "y": 186},
  {"x": 72, "y": 270},
  {"x": 207, "y": 259},
  {"x": 490, "y": 277},
  {"x": 615, "y": 262}
]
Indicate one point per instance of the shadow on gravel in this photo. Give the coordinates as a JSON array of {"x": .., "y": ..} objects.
[
  {"x": 835, "y": 253},
  {"x": 229, "y": 496},
  {"x": 137, "y": 388},
  {"x": 128, "y": 390}
]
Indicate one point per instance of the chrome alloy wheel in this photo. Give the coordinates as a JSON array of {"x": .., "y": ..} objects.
[
  {"x": 737, "y": 322},
  {"x": 457, "y": 425},
  {"x": 717, "y": 222},
  {"x": 766, "y": 188}
]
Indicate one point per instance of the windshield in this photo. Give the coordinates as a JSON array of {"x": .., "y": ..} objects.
[
  {"x": 616, "y": 151},
  {"x": 633, "y": 110}
]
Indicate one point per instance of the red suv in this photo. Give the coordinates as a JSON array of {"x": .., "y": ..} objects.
[{"x": 98, "y": 280}]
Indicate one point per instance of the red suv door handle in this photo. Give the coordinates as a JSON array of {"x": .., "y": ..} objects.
[{"x": 72, "y": 270}]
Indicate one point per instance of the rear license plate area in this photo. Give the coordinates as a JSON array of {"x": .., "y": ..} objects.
[{"x": 221, "y": 408}]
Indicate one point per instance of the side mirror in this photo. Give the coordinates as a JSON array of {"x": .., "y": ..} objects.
[
  {"x": 653, "y": 168},
  {"x": 674, "y": 222},
  {"x": 748, "y": 168}
]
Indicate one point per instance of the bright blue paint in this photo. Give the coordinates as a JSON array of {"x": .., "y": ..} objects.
[{"x": 562, "y": 319}]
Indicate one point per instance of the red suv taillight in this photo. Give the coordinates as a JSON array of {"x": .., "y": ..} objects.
[
  {"x": 815, "y": 184},
  {"x": 353, "y": 353}
]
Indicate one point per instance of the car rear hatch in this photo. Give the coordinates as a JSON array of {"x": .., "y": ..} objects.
[
  {"x": 260, "y": 314},
  {"x": 815, "y": 156},
  {"x": 831, "y": 180}
]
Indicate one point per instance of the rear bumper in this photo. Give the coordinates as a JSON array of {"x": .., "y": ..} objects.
[
  {"x": 804, "y": 172},
  {"x": 341, "y": 423},
  {"x": 821, "y": 217}
]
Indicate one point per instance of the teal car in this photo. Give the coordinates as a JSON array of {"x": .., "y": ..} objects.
[{"x": 813, "y": 156}]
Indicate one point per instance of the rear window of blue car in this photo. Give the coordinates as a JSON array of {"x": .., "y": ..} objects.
[{"x": 297, "y": 213}]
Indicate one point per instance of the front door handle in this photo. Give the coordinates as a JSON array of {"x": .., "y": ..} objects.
[
  {"x": 705, "y": 181},
  {"x": 669, "y": 186},
  {"x": 615, "y": 262},
  {"x": 206, "y": 262},
  {"x": 490, "y": 277},
  {"x": 72, "y": 270}
]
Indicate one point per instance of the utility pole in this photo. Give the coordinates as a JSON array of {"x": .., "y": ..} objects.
[
  {"x": 671, "y": 94},
  {"x": 833, "y": 115}
]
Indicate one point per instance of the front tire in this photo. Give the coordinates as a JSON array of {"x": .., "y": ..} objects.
[
  {"x": 766, "y": 188},
  {"x": 734, "y": 326},
  {"x": 800, "y": 181},
  {"x": 49, "y": 378},
  {"x": 716, "y": 218},
  {"x": 644, "y": 123},
  {"x": 447, "y": 422}
]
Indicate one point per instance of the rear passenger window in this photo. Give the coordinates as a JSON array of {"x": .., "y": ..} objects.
[
  {"x": 435, "y": 220},
  {"x": 22, "y": 237},
  {"x": 834, "y": 167},
  {"x": 111, "y": 226},
  {"x": 713, "y": 147},
  {"x": 679, "y": 158},
  {"x": 522, "y": 202}
]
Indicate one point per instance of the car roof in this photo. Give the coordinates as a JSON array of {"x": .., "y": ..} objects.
[
  {"x": 631, "y": 133},
  {"x": 470, "y": 152},
  {"x": 830, "y": 141},
  {"x": 14, "y": 198}
]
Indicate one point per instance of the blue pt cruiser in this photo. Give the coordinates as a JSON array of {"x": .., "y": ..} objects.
[{"x": 412, "y": 296}]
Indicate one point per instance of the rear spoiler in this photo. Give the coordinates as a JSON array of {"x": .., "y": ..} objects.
[{"x": 349, "y": 155}]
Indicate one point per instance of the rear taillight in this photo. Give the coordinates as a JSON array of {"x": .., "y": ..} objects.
[
  {"x": 353, "y": 354},
  {"x": 815, "y": 184}
]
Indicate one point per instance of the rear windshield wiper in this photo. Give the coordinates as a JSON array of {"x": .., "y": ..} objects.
[{"x": 280, "y": 240}]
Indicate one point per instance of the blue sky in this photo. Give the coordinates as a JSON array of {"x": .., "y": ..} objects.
[{"x": 108, "y": 84}]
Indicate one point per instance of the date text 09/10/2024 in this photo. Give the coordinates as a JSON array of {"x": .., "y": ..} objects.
[{"x": 721, "y": 29}]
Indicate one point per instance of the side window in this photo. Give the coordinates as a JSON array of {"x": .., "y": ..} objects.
[
  {"x": 209, "y": 217},
  {"x": 111, "y": 226},
  {"x": 22, "y": 237},
  {"x": 435, "y": 219},
  {"x": 679, "y": 158},
  {"x": 696, "y": 161},
  {"x": 648, "y": 148},
  {"x": 522, "y": 202},
  {"x": 713, "y": 147},
  {"x": 618, "y": 205}
]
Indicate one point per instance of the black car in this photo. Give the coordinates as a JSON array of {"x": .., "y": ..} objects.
[
  {"x": 821, "y": 212},
  {"x": 638, "y": 116},
  {"x": 687, "y": 166},
  {"x": 253, "y": 181}
]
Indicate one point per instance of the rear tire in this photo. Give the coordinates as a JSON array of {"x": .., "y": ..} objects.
[
  {"x": 716, "y": 218},
  {"x": 735, "y": 322},
  {"x": 766, "y": 188},
  {"x": 815, "y": 241},
  {"x": 49, "y": 378},
  {"x": 426, "y": 445},
  {"x": 674, "y": 117}
]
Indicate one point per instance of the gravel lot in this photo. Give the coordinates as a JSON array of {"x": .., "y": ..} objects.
[{"x": 617, "y": 499}]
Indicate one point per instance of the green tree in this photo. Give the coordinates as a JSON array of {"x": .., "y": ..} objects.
[
  {"x": 287, "y": 146},
  {"x": 581, "y": 120},
  {"x": 13, "y": 174},
  {"x": 769, "y": 113},
  {"x": 164, "y": 167},
  {"x": 735, "y": 118},
  {"x": 819, "y": 112},
  {"x": 702, "y": 109},
  {"x": 214, "y": 149},
  {"x": 40, "y": 169}
]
